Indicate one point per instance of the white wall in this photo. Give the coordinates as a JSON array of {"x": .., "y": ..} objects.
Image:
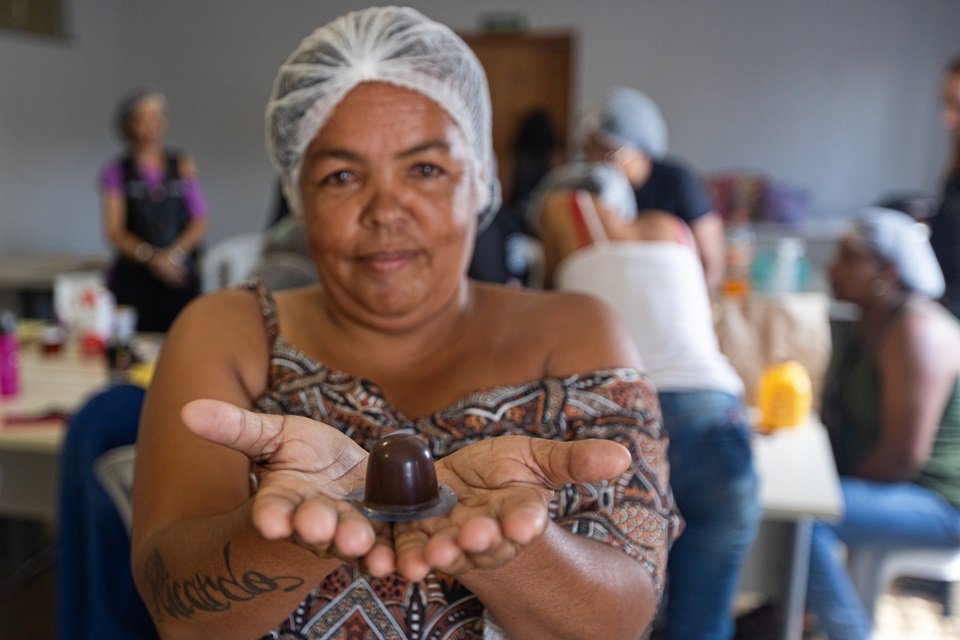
[
  {"x": 840, "y": 97},
  {"x": 53, "y": 131}
]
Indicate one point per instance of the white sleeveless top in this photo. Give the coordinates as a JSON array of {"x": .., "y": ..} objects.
[{"x": 659, "y": 290}]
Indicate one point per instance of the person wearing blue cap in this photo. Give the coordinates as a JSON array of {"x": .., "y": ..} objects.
[
  {"x": 891, "y": 405},
  {"x": 626, "y": 128}
]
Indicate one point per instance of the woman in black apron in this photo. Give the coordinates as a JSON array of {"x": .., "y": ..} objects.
[{"x": 155, "y": 216}]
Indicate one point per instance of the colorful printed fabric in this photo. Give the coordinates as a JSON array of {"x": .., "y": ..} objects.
[{"x": 635, "y": 513}]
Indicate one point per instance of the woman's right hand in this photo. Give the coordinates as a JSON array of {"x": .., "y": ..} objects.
[
  {"x": 504, "y": 487},
  {"x": 168, "y": 270},
  {"x": 305, "y": 472}
]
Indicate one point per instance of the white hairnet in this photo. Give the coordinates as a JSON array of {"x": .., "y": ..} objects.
[
  {"x": 898, "y": 239},
  {"x": 381, "y": 44},
  {"x": 628, "y": 118},
  {"x": 602, "y": 180}
]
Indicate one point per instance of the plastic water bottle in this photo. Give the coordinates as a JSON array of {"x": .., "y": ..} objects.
[
  {"x": 119, "y": 348},
  {"x": 9, "y": 355},
  {"x": 787, "y": 270},
  {"x": 740, "y": 243}
]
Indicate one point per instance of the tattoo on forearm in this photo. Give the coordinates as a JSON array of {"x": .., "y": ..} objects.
[{"x": 182, "y": 598}]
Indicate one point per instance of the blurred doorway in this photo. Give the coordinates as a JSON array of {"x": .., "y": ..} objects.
[{"x": 527, "y": 71}]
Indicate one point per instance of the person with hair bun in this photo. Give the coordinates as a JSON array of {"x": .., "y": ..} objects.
[
  {"x": 155, "y": 215},
  {"x": 891, "y": 404},
  {"x": 252, "y": 451}
]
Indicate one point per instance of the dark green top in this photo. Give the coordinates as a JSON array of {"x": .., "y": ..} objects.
[{"x": 851, "y": 412}]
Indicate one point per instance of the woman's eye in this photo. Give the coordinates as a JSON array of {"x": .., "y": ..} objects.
[
  {"x": 427, "y": 170},
  {"x": 337, "y": 178}
]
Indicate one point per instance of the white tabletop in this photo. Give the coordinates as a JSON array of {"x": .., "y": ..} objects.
[
  {"x": 797, "y": 473},
  {"x": 60, "y": 382}
]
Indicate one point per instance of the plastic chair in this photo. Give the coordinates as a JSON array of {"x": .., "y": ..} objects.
[
  {"x": 230, "y": 261},
  {"x": 873, "y": 571},
  {"x": 114, "y": 470},
  {"x": 96, "y": 596}
]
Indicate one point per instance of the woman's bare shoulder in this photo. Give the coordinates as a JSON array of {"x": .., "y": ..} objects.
[
  {"x": 578, "y": 332},
  {"x": 220, "y": 338},
  {"x": 213, "y": 306},
  {"x": 528, "y": 303},
  {"x": 228, "y": 321},
  {"x": 926, "y": 333}
]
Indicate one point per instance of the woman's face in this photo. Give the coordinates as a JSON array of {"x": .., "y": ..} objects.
[
  {"x": 854, "y": 271},
  {"x": 950, "y": 100},
  {"x": 389, "y": 205},
  {"x": 148, "y": 122}
]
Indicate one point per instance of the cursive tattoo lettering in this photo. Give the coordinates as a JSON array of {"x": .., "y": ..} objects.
[{"x": 182, "y": 598}]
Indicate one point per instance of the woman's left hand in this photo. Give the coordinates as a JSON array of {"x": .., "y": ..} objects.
[
  {"x": 307, "y": 471},
  {"x": 504, "y": 486}
]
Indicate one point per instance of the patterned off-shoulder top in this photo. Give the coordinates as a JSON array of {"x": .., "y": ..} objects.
[{"x": 635, "y": 513}]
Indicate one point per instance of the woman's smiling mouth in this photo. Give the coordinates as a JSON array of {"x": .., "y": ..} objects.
[{"x": 387, "y": 261}]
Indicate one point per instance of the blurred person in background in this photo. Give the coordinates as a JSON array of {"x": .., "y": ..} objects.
[
  {"x": 945, "y": 225},
  {"x": 505, "y": 251},
  {"x": 626, "y": 128},
  {"x": 645, "y": 266},
  {"x": 891, "y": 404},
  {"x": 155, "y": 215}
]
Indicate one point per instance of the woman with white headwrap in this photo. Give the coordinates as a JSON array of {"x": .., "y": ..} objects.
[
  {"x": 892, "y": 407},
  {"x": 532, "y": 405}
]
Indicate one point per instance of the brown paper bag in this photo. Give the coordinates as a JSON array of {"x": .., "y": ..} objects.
[{"x": 758, "y": 330}]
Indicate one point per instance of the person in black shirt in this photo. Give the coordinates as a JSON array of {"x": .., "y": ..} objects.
[
  {"x": 626, "y": 128},
  {"x": 945, "y": 225}
]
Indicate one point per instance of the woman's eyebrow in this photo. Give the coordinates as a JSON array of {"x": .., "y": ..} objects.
[
  {"x": 336, "y": 152},
  {"x": 346, "y": 154},
  {"x": 429, "y": 145}
]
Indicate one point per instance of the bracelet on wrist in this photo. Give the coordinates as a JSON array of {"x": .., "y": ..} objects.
[
  {"x": 143, "y": 252},
  {"x": 177, "y": 255}
]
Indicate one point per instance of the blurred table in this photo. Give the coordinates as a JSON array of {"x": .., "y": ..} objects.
[
  {"x": 29, "y": 444},
  {"x": 798, "y": 483},
  {"x": 26, "y": 280}
]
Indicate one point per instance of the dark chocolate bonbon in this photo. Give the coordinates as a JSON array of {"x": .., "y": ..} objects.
[{"x": 402, "y": 482}]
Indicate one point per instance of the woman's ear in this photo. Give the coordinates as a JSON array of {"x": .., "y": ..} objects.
[{"x": 888, "y": 277}]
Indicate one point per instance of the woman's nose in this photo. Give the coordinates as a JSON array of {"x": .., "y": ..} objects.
[{"x": 384, "y": 207}]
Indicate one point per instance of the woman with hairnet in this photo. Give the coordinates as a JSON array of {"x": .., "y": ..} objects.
[
  {"x": 253, "y": 445},
  {"x": 625, "y": 128},
  {"x": 646, "y": 268},
  {"x": 891, "y": 404},
  {"x": 155, "y": 215}
]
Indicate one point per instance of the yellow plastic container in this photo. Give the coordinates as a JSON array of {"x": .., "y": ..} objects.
[{"x": 785, "y": 396}]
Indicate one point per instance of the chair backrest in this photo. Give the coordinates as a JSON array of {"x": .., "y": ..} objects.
[
  {"x": 230, "y": 260},
  {"x": 114, "y": 471}
]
